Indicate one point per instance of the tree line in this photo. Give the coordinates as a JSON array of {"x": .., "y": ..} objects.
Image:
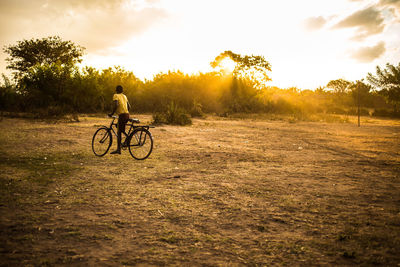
[{"x": 46, "y": 80}]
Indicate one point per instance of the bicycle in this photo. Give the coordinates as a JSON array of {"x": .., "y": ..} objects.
[{"x": 138, "y": 140}]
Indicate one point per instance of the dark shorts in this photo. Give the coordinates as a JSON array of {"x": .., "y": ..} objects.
[{"x": 122, "y": 120}]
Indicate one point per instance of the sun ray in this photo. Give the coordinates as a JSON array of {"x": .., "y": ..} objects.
[{"x": 227, "y": 65}]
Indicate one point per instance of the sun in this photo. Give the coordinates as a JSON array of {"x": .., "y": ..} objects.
[{"x": 227, "y": 65}]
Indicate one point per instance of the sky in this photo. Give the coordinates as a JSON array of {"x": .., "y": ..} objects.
[{"x": 308, "y": 43}]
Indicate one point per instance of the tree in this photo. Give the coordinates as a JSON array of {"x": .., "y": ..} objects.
[
  {"x": 251, "y": 67},
  {"x": 47, "y": 85},
  {"x": 360, "y": 92},
  {"x": 388, "y": 80},
  {"x": 8, "y": 95},
  {"x": 340, "y": 94},
  {"x": 248, "y": 78},
  {"x": 46, "y": 51},
  {"x": 339, "y": 86}
]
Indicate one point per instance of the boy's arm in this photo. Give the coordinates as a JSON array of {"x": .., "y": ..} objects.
[
  {"x": 114, "y": 108},
  {"x": 129, "y": 106}
]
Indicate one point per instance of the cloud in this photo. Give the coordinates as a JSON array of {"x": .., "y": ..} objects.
[
  {"x": 314, "y": 23},
  {"x": 368, "y": 22},
  {"x": 369, "y": 53},
  {"x": 94, "y": 24},
  {"x": 394, "y": 6},
  {"x": 394, "y": 3},
  {"x": 103, "y": 29}
]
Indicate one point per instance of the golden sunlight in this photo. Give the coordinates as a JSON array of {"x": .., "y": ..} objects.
[{"x": 227, "y": 65}]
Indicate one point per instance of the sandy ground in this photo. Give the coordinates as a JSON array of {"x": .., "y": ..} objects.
[{"x": 221, "y": 192}]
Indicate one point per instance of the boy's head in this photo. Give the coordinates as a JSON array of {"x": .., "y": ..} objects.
[{"x": 119, "y": 89}]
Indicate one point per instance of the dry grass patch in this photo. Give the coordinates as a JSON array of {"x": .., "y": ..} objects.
[{"x": 220, "y": 192}]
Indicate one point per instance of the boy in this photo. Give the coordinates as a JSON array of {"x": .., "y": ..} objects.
[{"x": 121, "y": 107}]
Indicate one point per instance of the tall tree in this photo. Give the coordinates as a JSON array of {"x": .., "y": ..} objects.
[
  {"x": 388, "y": 81},
  {"x": 46, "y": 51},
  {"x": 360, "y": 92},
  {"x": 48, "y": 84},
  {"x": 252, "y": 67},
  {"x": 339, "y": 86}
]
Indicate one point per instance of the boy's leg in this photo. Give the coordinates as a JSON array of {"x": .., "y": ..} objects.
[
  {"x": 122, "y": 120},
  {"x": 118, "y": 151},
  {"x": 122, "y": 130},
  {"x": 119, "y": 140}
]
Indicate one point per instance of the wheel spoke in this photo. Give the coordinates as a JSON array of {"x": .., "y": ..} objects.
[
  {"x": 101, "y": 142},
  {"x": 141, "y": 144}
]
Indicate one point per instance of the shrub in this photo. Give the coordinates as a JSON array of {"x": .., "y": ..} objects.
[
  {"x": 354, "y": 111},
  {"x": 385, "y": 113},
  {"x": 172, "y": 115},
  {"x": 336, "y": 110},
  {"x": 176, "y": 115},
  {"x": 197, "y": 110},
  {"x": 159, "y": 118}
]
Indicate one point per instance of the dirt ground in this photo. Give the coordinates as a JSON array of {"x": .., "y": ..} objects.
[{"x": 222, "y": 192}]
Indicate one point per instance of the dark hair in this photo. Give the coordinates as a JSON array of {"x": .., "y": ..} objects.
[{"x": 119, "y": 89}]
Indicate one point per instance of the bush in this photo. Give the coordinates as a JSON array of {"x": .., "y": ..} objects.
[
  {"x": 197, "y": 110},
  {"x": 385, "y": 113},
  {"x": 173, "y": 115},
  {"x": 54, "y": 112},
  {"x": 159, "y": 118},
  {"x": 9, "y": 98},
  {"x": 177, "y": 115},
  {"x": 354, "y": 111},
  {"x": 336, "y": 110}
]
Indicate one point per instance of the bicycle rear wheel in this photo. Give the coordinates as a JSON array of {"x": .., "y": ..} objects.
[
  {"x": 101, "y": 142},
  {"x": 140, "y": 144}
]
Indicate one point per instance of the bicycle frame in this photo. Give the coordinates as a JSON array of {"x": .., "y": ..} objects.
[
  {"x": 138, "y": 141},
  {"x": 116, "y": 127},
  {"x": 131, "y": 126}
]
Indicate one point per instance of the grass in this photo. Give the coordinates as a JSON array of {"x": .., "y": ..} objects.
[{"x": 225, "y": 191}]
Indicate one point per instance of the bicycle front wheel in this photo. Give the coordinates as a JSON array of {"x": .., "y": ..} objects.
[
  {"x": 101, "y": 142},
  {"x": 140, "y": 144}
]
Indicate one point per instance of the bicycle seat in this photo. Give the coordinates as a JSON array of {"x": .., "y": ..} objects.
[{"x": 134, "y": 120}]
